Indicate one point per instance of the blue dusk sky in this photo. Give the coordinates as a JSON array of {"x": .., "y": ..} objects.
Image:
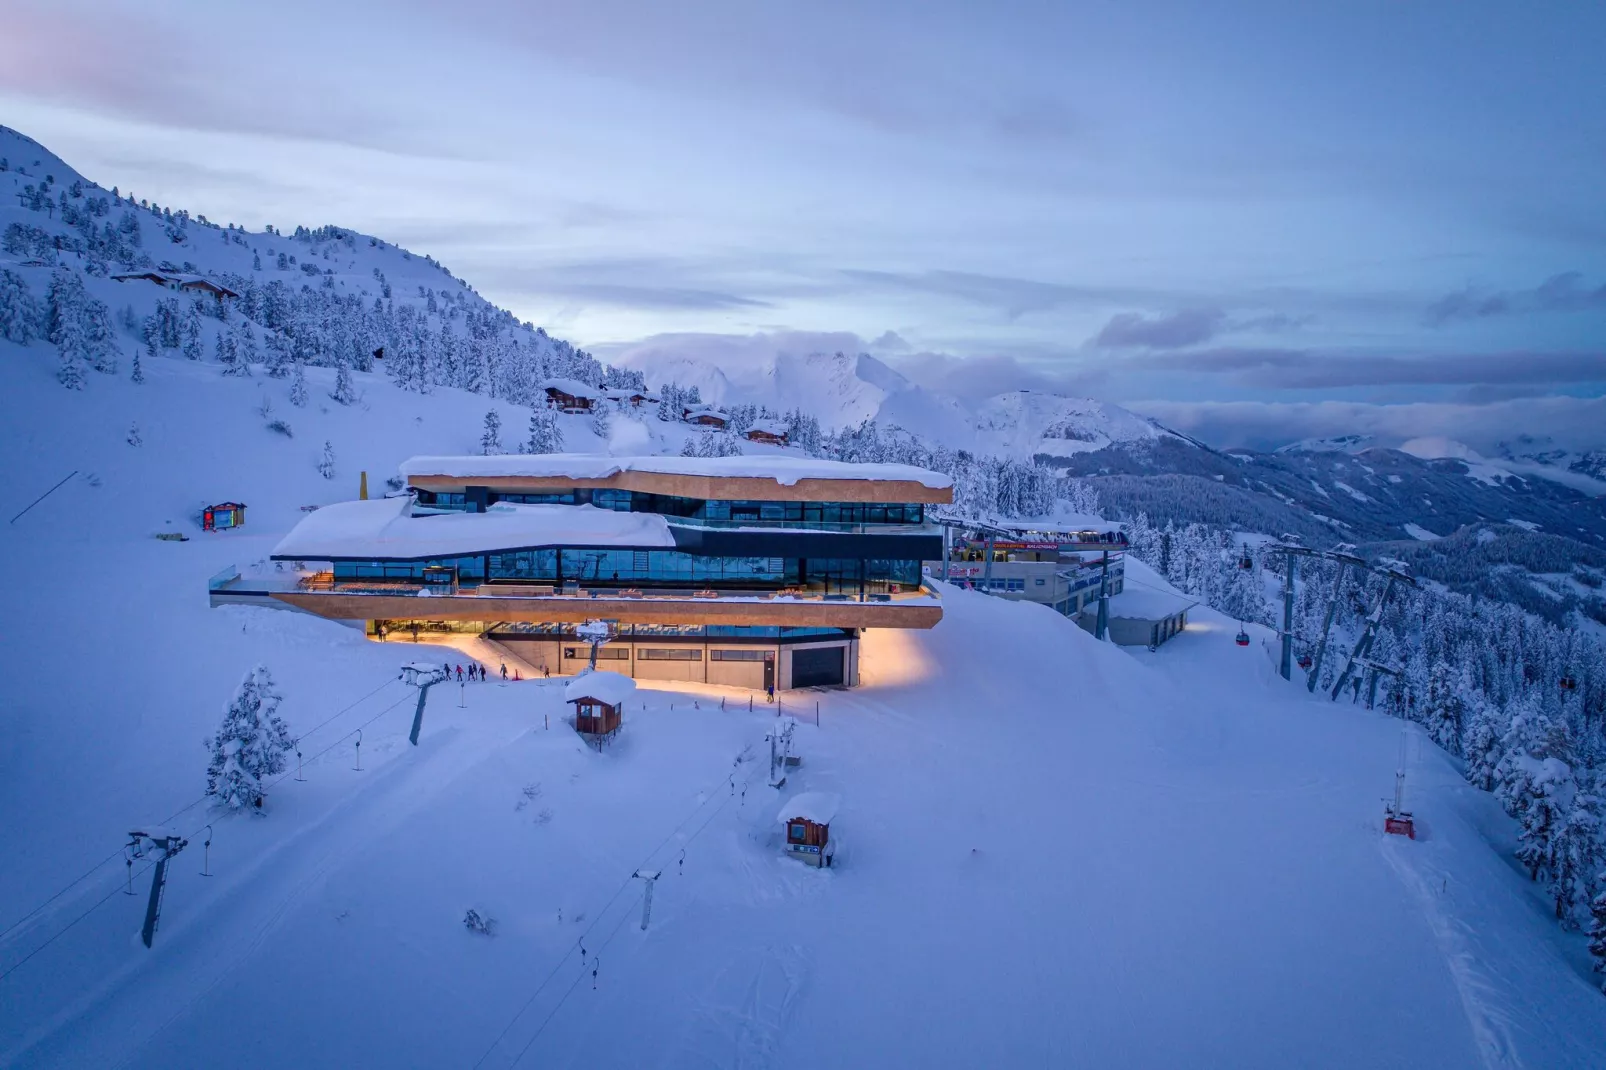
[{"x": 1240, "y": 210}]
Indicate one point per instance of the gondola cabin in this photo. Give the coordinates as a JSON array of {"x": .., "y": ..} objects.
[
  {"x": 806, "y": 819},
  {"x": 223, "y": 516},
  {"x": 598, "y": 699}
]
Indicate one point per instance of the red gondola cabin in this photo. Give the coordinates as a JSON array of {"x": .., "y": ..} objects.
[{"x": 222, "y": 516}]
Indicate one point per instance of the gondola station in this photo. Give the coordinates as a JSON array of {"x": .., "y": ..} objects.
[
  {"x": 807, "y": 819},
  {"x": 599, "y": 700}
]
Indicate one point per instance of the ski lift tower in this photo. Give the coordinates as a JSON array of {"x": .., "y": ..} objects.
[
  {"x": 422, "y": 676},
  {"x": 595, "y": 632},
  {"x": 169, "y": 843}
]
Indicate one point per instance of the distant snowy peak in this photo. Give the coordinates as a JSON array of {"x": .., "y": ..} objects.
[
  {"x": 1030, "y": 423},
  {"x": 1335, "y": 444}
]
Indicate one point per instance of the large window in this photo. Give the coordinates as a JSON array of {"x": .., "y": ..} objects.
[
  {"x": 525, "y": 565},
  {"x": 669, "y": 653},
  {"x": 741, "y": 511}
]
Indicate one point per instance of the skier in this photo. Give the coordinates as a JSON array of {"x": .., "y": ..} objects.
[
  {"x": 546, "y": 673},
  {"x": 448, "y": 668},
  {"x": 460, "y": 674},
  {"x": 516, "y": 676},
  {"x": 504, "y": 670}
]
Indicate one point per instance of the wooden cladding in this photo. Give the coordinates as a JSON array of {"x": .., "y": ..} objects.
[
  {"x": 337, "y": 606},
  {"x": 717, "y": 488}
]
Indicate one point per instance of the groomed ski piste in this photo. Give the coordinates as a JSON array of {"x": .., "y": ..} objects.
[{"x": 1051, "y": 851}]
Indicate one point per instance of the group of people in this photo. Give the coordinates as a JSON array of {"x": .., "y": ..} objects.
[{"x": 477, "y": 673}]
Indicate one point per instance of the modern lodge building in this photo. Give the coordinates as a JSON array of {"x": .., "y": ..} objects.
[{"x": 752, "y": 571}]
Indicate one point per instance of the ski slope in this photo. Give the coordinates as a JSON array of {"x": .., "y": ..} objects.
[{"x": 1052, "y": 851}]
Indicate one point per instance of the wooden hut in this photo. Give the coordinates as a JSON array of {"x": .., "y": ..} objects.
[
  {"x": 222, "y": 516},
  {"x": 598, "y": 699},
  {"x": 707, "y": 416},
  {"x": 571, "y": 395},
  {"x": 769, "y": 432},
  {"x": 807, "y": 820}
]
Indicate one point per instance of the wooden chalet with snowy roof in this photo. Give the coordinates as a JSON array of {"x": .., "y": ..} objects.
[
  {"x": 571, "y": 395},
  {"x": 195, "y": 284},
  {"x": 769, "y": 432},
  {"x": 807, "y": 820},
  {"x": 598, "y": 698},
  {"x": 706, "y": 416},
  {"x": 634, "y": 398}
]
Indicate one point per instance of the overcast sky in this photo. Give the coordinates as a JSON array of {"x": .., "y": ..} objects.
[{"x": 1267, "y": 204}]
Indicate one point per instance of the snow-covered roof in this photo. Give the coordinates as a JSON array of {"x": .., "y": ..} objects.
[
  {"x": 1147, "y": 605},
  {"x": 706, "y": 410},
  {"x": 606, "y": 687},
  {"x": 769, "y": 427},
  {"x": 619, "y": 393},
  {"x": 786, "y": 471},
  {"x": 816, "y": 806},
  {"x": 385, "y": 528},
  {"x": 574, "y": 388}
]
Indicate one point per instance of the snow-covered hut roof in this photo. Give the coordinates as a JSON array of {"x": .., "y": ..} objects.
[
  {"x": 786, "y": 471},
  {"x": 816, "y": 806},
  {"x": 706, "y": 410},
  {"x": 1147, "y": 605},
  {"x": 769, "y": 427},
  {"x": 574, "y": 388},
  {"x": 619, "y": 393},
  {"x": 600, "y": 686},
  {"x": 385, "y": 528}
]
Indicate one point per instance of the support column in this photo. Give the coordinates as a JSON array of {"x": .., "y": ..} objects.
[{"x": 1287, "y": 666}]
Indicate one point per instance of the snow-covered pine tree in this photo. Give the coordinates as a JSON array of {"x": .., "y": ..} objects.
[
  {"x": 136, "y": 373},
  {"x": 1573, "y": 852},
  {"x": 1444, "y": 710},
  {"x": 298, "y": 386},
  {"x": 345, "y": 391},
  {"x": 67, "y": 328},
  {"x": 100, "y": 336},
  {"x": 326, "y": 461},
  {"x": 277, "y": 348},
  {"x": 688, "y": 448},
  {"x": 245, "y": 344},
  {"x": 252, "y": 743},
  {"x": 190, "y": 333},
  {"x": 19, "y": 312},
  {"x": 491, "y": 436},
  {"x": 601, "y": 420},
  {"x": 1597, "y": 929},
  {"x": 134, "y": 438},
  {"x": 228, "y": 355},
  {"x": 545, "y": 434},
  {"x": 1480, "y": 743}
]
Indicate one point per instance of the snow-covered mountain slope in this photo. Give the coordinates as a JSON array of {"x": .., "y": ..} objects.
[
  {"x": 1334, "y": 444},
  {"x": 1216, "y": 817},
  {"x": 1050, "y": 427}
]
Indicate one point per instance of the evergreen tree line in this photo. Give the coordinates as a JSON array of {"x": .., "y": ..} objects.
[{"x": 1518, "y": 699}]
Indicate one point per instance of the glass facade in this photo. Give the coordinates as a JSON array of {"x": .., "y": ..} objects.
[
  {"x": 468, "y": 569},
  {"x": 718, "y": 511}
]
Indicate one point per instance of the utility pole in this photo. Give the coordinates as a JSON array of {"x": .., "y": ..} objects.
[
  {"x": 423, "y": 697},
  {"x": 947, "y": 550},
  {"x": 1286, "y": 668},
  {"x": 987, "y": 568}
]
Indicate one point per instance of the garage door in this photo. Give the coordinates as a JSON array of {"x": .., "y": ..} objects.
[{"x": 818, "y": 666}]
